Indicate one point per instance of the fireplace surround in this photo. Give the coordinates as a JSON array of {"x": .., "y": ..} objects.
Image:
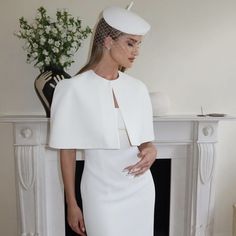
[{"x": 187, "y": 140}]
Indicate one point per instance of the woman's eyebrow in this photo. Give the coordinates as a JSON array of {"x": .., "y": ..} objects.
[{"x": 134, "y": 40}]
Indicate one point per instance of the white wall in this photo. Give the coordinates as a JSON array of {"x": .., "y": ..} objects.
[{"x": 190, "y": 54}]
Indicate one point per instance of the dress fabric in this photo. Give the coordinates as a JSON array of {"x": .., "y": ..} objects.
[{"x": 115, "y": 203}]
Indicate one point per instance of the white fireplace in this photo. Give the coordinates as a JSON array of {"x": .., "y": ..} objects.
[{"x": 189, "y": 141}]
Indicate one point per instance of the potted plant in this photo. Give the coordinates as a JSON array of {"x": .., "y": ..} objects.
[{"x": 51, "y": 44}]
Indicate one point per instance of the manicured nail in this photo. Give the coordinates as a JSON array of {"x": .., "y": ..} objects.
[
  {"x": 134, "y": 170},
  {"x": 130, "y": 176}
]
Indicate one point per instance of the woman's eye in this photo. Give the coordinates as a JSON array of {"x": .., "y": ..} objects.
[{"x": 130, "y": 45}]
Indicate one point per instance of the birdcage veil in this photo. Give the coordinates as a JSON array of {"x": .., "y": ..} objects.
[{"x": 104, "y": 30}]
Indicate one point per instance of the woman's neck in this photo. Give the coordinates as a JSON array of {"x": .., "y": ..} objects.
[{"x": 106, "y": 69}]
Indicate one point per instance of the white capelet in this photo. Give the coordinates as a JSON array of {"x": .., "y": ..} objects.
[{"x": 83, "y": 114}]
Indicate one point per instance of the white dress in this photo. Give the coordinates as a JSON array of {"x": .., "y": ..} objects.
[{"x": 114, "y": 203}]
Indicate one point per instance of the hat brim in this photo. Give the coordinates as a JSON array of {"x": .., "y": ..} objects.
[{"x": 125, "y": 21}]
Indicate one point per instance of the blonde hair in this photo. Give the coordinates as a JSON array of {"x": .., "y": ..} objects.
[{"x": 103, "y": 30}]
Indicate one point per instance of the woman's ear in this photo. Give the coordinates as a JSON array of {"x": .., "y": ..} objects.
[{"x": 108, "y": 41}]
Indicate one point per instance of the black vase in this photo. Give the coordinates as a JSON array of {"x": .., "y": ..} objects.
[{"x": 46, "y": 83}]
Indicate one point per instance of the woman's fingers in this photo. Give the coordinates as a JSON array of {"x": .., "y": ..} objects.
[
  {"x": 82, "y": 226},
  {"x": 138, "y": 168},
  {"x": 75, "y": 220},
  {"x": 75, "y": 227},
  {"x": 79, "y": 228},
  {"x": 140, "y": 171},
  {"x": 147, "y": 158}
]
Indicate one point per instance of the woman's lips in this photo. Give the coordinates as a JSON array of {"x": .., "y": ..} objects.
[{"x": 131, "y": 59}]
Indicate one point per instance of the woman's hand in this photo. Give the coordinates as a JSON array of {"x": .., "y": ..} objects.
[
  {"x": 147, "y": 154},
  {"x": 75, "y": 220}
]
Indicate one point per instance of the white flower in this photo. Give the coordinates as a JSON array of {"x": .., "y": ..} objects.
[
  {"x": 35, "y": 54},
  {"x": 35, "y": 45},
  {"x": 45, "y": 52},
  {"x": 63, "y": 59},
  {"x": 74, "y": 29},
  {"x": 40, "y": 32},
  {"x": 40, "y": 64},
  {"x": 59, "y": 27},
  {"x": 28, "y": 32},
  {"x": 69, "y": 38},
  {"x": 50, "y": 41},
  {"x": 74, "y": 44},
  {"x": 47, "y": 60},
  {"x": 70, "y": 27},
  {"x": 29, "y": 51},
  {"x": 42, "y": 40},
  {"x": 71, "y": 51},
  {"x": 57, "y": 43},
  {"x": 56, "y": 50},
  {"x": 54, "y": 30},
  {"x": 63, "y": 35},
  {"x": 47, "y": 29},
  {"x": 34, "y": 25},
  {"x": 77, "y": 35}
]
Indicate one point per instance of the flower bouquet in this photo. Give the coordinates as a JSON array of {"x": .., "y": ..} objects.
[{"x": 51, "y": 44}]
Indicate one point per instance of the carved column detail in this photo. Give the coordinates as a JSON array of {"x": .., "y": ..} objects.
[
  {"x": 26, "y": 164},
  {"x": 206, "y": 161},
  {"x": 26, "y": 175},
  {"x": 27, "y": 142},
  {"x": 203, "y": 199}
]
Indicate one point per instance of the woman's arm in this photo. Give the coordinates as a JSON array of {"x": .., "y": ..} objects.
[
  {"x": 74, "y": 214},
  {"x": 147, "y": 154}
]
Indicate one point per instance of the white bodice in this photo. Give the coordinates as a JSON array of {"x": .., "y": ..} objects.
[{"x": 120, "y": 120}]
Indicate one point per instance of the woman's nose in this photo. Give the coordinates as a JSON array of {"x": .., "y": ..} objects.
[{"x": 136, "y": 51}]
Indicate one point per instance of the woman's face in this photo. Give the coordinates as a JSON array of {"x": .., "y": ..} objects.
[{"x": 125, "y": 49}]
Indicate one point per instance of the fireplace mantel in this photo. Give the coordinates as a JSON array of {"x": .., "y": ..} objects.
[{"x": 188, "y": 140}]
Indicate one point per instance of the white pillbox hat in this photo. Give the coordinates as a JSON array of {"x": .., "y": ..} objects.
[{"x": 125, "y": 21}]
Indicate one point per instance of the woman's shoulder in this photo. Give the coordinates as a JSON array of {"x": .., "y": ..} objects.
[
  {"x": 77, "y": 77},
  {"x": 67, "y": 83},
  {"x": 132, "y": 81}
]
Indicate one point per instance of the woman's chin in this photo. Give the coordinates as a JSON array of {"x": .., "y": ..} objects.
[{"x": 128, "y": 65}]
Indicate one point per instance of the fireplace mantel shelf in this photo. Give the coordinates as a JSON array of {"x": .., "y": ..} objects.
[
  {"x": 175, "y": 117},
  {"x": 188, "y": 140}
]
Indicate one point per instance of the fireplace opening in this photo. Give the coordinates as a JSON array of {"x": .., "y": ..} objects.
[{"x": 161, "y": 172}]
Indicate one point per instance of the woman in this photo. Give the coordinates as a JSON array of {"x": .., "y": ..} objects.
[{"x": 108, "y": 114}]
